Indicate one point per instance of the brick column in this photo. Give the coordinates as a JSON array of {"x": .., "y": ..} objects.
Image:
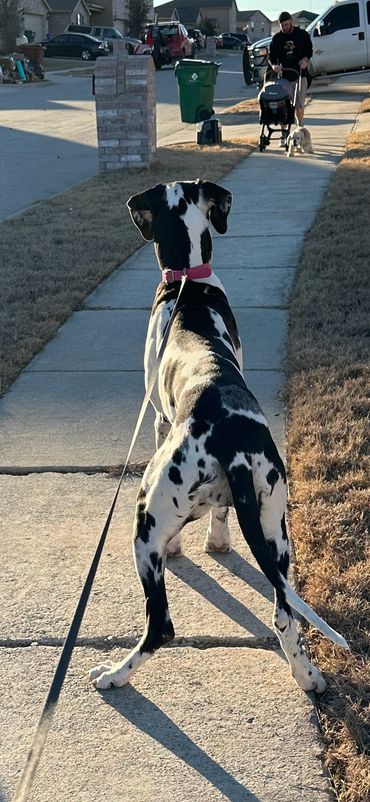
[{"x": 125, "y": 110}]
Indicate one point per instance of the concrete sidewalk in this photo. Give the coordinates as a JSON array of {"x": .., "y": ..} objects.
[{"x": 216, "y": 715}]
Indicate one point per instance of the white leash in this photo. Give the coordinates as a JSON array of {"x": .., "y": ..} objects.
[{"x": 39, "y": 739}]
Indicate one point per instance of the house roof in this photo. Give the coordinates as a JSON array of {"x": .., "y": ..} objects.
[
  {"x": 305, "y": 15},
  {"x": 64, "y": 5},
  {"x": 244, "y": 16},
  {"x": 194, "y": 5},
  {"x": 185, "y": 14},
  {"x": 308, "y": 15}
]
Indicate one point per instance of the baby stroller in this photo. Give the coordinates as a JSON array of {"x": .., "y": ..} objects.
[{"x": 276, "y": 107}]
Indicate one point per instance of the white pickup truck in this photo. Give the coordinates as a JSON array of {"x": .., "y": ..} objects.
[{"x": 340, "y": 40}]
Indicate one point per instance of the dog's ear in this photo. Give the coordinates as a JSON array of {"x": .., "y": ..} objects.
[
  {"x": 219, "y": 201},
  {"x": 143, "y": 208}
]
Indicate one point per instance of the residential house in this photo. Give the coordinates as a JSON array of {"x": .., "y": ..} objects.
[
  {"x": 301, "y": 19},
  {"x": 254, "y": 23},
  {"x": 223, "y": 13},
  {"x": 35, "y": 19},
  {"x": 63, "y": 12}
]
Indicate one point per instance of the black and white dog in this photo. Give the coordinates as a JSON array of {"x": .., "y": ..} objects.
[{"x": 214, "y": 446}]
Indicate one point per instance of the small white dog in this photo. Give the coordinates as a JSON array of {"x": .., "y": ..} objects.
[{"x": 299, "y": 140}]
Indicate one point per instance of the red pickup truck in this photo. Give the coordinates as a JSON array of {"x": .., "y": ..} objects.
[{"x": 169, "y": 42}]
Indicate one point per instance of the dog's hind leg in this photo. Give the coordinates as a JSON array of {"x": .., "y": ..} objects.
[
  {"x": 218, "y": 535},
  {"x": 271, "y": 495}
]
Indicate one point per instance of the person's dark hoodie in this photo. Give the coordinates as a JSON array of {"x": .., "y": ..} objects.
[{"x": 288, "y": 49}]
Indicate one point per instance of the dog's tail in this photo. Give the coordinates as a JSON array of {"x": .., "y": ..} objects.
[{"x": 246, "y": 507}]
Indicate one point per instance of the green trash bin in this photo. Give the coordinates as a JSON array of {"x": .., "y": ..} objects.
[{"x": 196, "y": 81}]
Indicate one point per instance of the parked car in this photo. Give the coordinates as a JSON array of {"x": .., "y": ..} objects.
[
  {"x": 243, "y": 38},
  {"x": 135, "y": 47},
  {"x": 228, "y": 42},
  {"x": 75, "y": 45},
  {"x": 169, "y": 41},
  {"x": 258, "y": 58},
  {"x": 198, "y": 37},
  {"x": 99, "y": 31}
]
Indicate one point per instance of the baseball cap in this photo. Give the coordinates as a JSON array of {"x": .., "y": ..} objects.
[{"x": 285, "y": 16}]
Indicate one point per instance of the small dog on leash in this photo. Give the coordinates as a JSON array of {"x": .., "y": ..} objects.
[
  {"x": 299, "y": 140},
  {"x": 214, "y": 448}
]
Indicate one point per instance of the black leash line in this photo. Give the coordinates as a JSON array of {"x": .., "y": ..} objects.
[{"x": 39, "y": 739}]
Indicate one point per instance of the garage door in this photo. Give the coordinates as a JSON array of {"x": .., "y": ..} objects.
[{"x": 36, "y": 23}]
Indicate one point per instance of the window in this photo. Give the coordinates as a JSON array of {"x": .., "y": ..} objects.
[
  {"x": 342, "y": 17},
  {"x": 368, "y": 11},
  {"x": 97, "y": 31},
  {"x": 80, "y": 19}
]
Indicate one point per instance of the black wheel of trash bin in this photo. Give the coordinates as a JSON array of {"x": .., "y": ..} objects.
[{"x": 203, "y": 114}]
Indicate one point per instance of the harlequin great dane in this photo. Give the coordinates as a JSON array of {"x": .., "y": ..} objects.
[{"x": 214, "y": 448}]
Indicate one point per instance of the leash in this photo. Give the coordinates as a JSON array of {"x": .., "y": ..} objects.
[
  {"x": 39, "y": 739},
  {"x": 298, "y": 88}
]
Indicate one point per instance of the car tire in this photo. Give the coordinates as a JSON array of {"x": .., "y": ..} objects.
[{"x": 86, "y": 55}]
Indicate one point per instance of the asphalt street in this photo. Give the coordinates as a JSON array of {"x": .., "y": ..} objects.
[{"x": 48, "y": 130}]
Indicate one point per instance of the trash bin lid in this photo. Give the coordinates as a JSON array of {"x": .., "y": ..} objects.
[
  {"x": 193, "y": 62},
  {"x": 196, "y": 71}
]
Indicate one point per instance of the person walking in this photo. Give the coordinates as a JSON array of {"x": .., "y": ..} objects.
[{"x": 291, "y": 48}]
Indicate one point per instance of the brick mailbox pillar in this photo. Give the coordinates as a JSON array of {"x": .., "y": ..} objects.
[
  {"x": 209, "y": 54},
  {"x": 125, "y": 110}
]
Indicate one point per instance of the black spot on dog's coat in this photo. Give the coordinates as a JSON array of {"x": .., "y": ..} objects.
[
  {"x": 272, "y": 478},
  {"x": 145, "y": 522},
  {"x": 174, "y": 475}
]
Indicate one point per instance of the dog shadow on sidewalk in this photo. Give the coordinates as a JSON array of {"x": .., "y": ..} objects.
[
  {"x": 196, "y": 578},
  {"x": 151, "y": 720}
]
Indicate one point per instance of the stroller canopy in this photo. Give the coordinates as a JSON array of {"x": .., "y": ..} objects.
[{"x": 275, "y": 90}]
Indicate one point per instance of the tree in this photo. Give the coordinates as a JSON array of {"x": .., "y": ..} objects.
[
  {"x": 137, "y": 16},
  {"x": 209, "y": 27},
  {"x": 11, "y": 23}
]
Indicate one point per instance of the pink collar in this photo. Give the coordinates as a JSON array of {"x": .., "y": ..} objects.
[{"x": 201, "y": 271}]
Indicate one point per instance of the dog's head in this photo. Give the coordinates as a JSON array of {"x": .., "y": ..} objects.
[{"x": 177, "y": 217}]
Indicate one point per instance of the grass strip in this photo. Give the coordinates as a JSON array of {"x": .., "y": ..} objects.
[
  {"x": 56, "y": 253},
  {"x": 328, "y": 414}
]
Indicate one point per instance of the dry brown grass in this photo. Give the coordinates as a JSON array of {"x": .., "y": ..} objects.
[
  {"x": 328, "y": 361},
  {"x": 55, "y": 254},
  {"x": 248, "y": 107}
]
